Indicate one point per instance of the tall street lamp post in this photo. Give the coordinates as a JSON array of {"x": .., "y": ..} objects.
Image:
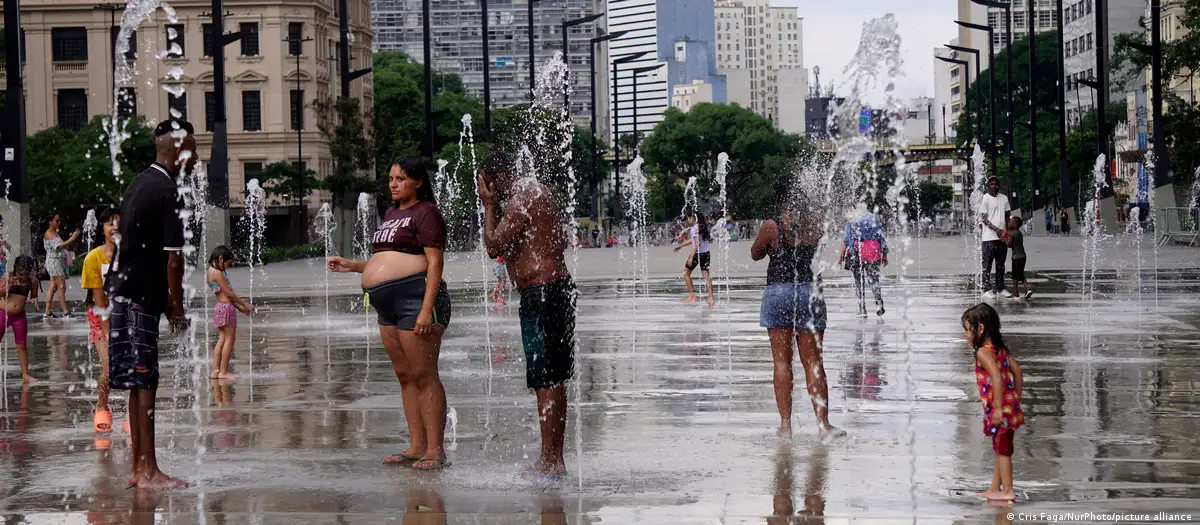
[
  {"x": 637, "y": 134},
  {"x": 566, "y": 27},
  {"x": 595, "y": 139},
  {"x": 972, "y": 134},
  {"x": 487, "y": 70},
  {"x": 299, "y": 123},
  {"x": 532, "y": 42},
  {"x": 427, "y": 26},
  {"x": 616, "y": 127},
  {"x": 1064, "y": 178},
  {"x": 991, "y": 84},
  {"x": 218, "y": 163},
  {"x": 1162, "y": 173},
  {"x": 1008, "y": 22}
]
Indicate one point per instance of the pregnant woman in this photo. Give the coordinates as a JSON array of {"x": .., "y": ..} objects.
[{"x": 404, "y": 281}]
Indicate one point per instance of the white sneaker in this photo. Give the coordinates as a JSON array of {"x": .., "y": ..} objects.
[
  {"x": 989, "y": 295},
  {"x": 1006, "y": 294}
]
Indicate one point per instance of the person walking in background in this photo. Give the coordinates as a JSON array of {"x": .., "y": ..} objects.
[
  {"x": 403, "y": 278},
  {"x": 1049, "y": 220},
  {"x": 145, "y": 281},
  {"x": 57, "y": 264},
  {"x": 993, "y": 215},
  {"x": 793, "y": 310},
  {"x": 1016, "y": 241},
  {"x": 1064, "y": 219},
  {"x": 501, "y": 275},
  {"x": 698, "y": 237},
  {"x": 529, "y": 236},
  {"x": 864, "y": 249},
  {"x": 95, "y": 267}
]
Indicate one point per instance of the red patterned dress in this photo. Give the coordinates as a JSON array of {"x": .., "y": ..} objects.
[{"x": 1013, "y": 416}]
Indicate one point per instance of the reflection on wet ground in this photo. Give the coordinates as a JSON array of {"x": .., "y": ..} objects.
[{"x": 673, "y": 421}]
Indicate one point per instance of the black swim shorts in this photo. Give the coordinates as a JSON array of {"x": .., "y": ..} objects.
[
  {"x": 132, "y": 347},
  {"x": 701, "y": 259},
  {"x": 1018, "y": 269},
  {"x": 548, "y": 332},
  {"x": 398, "y": 302}
]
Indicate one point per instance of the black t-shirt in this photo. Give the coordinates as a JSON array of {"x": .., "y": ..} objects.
[{"x": 150, "y": 227}]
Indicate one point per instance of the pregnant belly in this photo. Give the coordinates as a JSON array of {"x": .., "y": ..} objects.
[{"x": 388, "y": 266}]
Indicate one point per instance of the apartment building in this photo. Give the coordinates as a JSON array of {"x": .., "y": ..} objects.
[
  {"x": 1079, "y": 50},
  {"x": 458, "y": 42},
  {"x": 271, "y": 82},
  {"x": 760, "y": 50}
]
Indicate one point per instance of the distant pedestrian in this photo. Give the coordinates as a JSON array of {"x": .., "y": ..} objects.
[
  {"x": 698, "y": 237},
  {"x": 994, "y": 210},
  {"x": 57, "y": 264},
  {"x": 999, "y": 378},
  {"x": 864, "y": 249},
  {"x": 1049, "y": 220},
  {"x": 1064, "y": 219},
  {"x": 1016, "y": 241}
]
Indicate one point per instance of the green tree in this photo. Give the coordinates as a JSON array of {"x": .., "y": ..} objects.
[
  {"x": 928, "y": 198},
  {"x": 583, "y": 147},
  {"x": 342, "y": 125},
  {"x": 69, "y": 170},
  {"x": 687, "y": 144},
  {"x": 283, "y": 180}
]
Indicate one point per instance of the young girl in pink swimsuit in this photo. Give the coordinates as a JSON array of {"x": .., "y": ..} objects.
[
  {"x": 999, "y": 379},
  {"x": 226, "y": 310}
]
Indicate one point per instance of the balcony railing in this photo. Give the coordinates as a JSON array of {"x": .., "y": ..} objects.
[{"x": 71, "y": 67}]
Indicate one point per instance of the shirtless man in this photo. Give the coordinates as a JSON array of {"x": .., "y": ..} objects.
[{"x": 530, "y": 238}]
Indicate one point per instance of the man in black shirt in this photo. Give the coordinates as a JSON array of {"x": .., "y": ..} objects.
[{"x": 145, "y": 281}]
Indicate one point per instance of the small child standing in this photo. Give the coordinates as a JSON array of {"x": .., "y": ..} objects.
[
  {"x": 1016, "y": 240},
  {"x": 225, "y": 312},
  {"x": 501, "y": 273},
  {"x": 95, "y": 268},
  {"x": 999, "y": 379}
]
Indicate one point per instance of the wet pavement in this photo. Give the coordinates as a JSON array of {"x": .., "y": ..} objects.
[{"x": 672, "y": 418}]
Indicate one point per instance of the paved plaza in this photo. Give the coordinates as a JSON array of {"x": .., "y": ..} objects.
[{"x": 672, "y": 418}]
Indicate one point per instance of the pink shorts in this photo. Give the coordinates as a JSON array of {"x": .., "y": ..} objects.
[
  {"x": 224, "y": 314},
  {"x": 19, "y": 324},
  {"x": 95, "y": 331}
]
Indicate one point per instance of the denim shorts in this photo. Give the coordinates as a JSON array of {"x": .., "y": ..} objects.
[{"x": 792, "y": 305}]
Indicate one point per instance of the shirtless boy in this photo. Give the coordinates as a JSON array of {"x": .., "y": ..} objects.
[{"x": 530, "y": 237}]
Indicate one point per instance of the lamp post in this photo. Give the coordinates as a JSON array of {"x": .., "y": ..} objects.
[
  {"x": 429, "y": 135},
  {"x": 566, "y": 26},
  {"x": 991, "y": 83},
  {"x": 974, "y": 135},
  {"x": 1162, "y": 174},
  {"x": 487, "y": 70},
  {"x": 300, "y": 167},
  {"x": 1008, "y": 86},
  {"x": 616, "y": 127},
  {"x": 1064, "y": 179},
  {"x": 595, "y": 139},
  {"x": 1102, "y": 91},
  {"x": 218, "y": 163},
  {"x": 978, "y": 102},
  {"x": 637, "y": 132},
  {"x": 112, "y": 22},
  {"x": 532, "y": 64}
]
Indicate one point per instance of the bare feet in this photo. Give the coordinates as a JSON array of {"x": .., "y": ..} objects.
[
  {"x": 830, "y": 432},
  {"x": 545, "y": 470},
  {"x": 1002, "y": 496},
  {"x": 690, "y": 299},
  {"x": 29, "y": 379},
  {"x": 710, "y": 303},
  {"x": 160, "y": 481},
  {"x": 227, "y": 375},
  {"x": 785, "y": 431}
]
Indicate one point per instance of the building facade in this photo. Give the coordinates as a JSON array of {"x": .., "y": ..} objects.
[
  {"x": 686, "y": 96},
  {"x": 1079, "y": 48},
  {"x": 677, "y": 37},
  {"x": 271, "y": 84},
  {"x": 947, "y": 101},
  {"x": 458, "y": 43},
  {"x": 760, "y": 49}
]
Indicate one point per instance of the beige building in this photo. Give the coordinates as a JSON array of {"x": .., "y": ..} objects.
[
  {"x": 760, "y": 50},
  {"x": 688, "y": 95},
  {"x": 68, "y": 68}
]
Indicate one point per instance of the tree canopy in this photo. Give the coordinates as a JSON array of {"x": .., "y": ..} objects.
[{"x": 687, "y": 144}]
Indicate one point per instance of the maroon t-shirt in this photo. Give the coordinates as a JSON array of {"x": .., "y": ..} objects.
[{"x": 412, "y": 230}]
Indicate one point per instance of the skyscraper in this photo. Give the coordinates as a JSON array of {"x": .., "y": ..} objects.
[
  {"x": 458, "y": 42},
  {"x": 760, "y": 50}
]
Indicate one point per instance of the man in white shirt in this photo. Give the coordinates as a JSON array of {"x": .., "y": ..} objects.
[{"x": 993, "y": 215}]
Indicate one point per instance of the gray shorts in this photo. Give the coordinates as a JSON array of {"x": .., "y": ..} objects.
[{"x": 398, "y": 302}]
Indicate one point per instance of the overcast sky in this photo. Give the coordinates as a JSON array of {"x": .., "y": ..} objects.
[{"x": 832, "y": 29}]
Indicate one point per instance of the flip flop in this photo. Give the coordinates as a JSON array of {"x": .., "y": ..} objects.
[
  {"x": 438, "y": 464},
  {"x": 401, "y": 458},
  {"x": 102, "y": 421}
]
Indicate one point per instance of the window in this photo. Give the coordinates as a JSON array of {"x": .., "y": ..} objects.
[
  {"x": 209, "y": 40},
  {"x": 295, "y": 37},
  {"x": 249, "y": 38},
  {"x": 251, "y": 170},
  {"x": 126, "y": 102},
  {"x": 72, "y": 109},
  {"x": 68, "y": 43},
  {"x": 177, "y": 105},
  {"x": 1088, "y": 5},
  {"x": 131, "y": 54},
  {"x": 1089, "y": 41},
  {"x": 297, "y": 109},
  {"x": 175, "y": 38},
  {"x": 210, "y": 110},
  {"x": 251, "y": 111}
]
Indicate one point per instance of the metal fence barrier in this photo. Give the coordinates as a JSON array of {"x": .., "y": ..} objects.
[{"x": 1179, "y": 225}]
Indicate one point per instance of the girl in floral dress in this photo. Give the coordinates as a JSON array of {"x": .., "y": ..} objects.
[{"x": 999, "y": 379}]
